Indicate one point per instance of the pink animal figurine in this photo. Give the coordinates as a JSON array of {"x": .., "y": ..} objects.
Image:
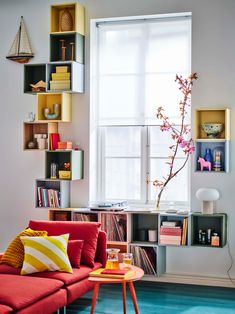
[{"x": 204, "y": 164}]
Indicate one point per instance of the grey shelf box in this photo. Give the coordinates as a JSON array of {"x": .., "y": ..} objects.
[
  {"x": 141, "y": 223},
  {"x": 33, "y": 73},
  {"x": 215, "y": 222},
  {"x": 63, "y": 188},
  {"x": 156, "y": 256},
  {"x": 74, "y": 157},
  {"x": 76, "y": 75},
  {"x": 70, "y": 37}
]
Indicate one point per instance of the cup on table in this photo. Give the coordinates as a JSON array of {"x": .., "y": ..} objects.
[{"x": 127, "y": 259}]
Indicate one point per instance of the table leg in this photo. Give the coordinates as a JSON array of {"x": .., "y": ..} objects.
[
  {"x": 124, "y": 297},
  {"x": 133, "y": 296},
  {"x": 94, "y": 297}
]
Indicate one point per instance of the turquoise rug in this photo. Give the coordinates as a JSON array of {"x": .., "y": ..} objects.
[{"x": 160, "y": 298}]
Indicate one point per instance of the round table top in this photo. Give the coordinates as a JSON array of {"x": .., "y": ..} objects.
[{"x": 138, "y": 273}]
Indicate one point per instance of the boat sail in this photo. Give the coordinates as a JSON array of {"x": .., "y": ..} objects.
[{"x": 21, "y": 50}]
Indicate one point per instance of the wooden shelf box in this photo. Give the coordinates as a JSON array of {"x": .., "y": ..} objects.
[
  {"x": 60, "y": 157},
  {"x": 33, "y": 73},
  {"x": 76, "y": 70},
  {"x": 77, "y": 216},
  {"x": 52, "y": 193},
  {"x": 151, "y": 258},
  {"x": 78, "y": 15},
  {"x": 217, "y": 223},
  {"x": 70, "y": 37},
  {"x": 60, "y": 215},
  {"x": 212, "y": 115},
  {"x": 47, "y": 100},
  {"x": 32, "y": 128}
]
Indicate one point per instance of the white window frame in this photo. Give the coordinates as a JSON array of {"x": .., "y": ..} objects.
[{"x": 96, "y": 158}]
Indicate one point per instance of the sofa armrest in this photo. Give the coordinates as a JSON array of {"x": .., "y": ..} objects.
[{"x": 101, "y": 255}]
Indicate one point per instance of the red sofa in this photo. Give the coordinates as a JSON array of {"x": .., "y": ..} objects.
[{"x": 46, "y": 292}]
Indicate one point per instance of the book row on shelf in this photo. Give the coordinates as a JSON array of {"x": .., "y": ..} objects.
[
  {"x": 145, "y": 258},
  {"x": 48, "y": 198},
  {"x": 173, "y": 232}
]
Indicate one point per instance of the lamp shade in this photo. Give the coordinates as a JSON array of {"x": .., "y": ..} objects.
[{"x": 207, "y": 194}]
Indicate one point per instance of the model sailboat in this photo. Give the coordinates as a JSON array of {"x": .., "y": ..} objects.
[{"x": 20, "y": 50}]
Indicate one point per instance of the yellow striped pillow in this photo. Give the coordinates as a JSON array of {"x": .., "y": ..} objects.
[{"x": 47, "y": 253}]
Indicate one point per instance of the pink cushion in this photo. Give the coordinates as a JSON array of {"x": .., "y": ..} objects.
[
  {"x": 21, "y": 291},
  {"x": 78, "y": 230},
  {"x": 4, "y": 309},
  {"x": 67, "y": 278},
  {"x": 75, "y": 252}
]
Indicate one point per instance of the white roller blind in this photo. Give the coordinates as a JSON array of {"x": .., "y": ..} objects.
[{"x": 137, "y": 64}]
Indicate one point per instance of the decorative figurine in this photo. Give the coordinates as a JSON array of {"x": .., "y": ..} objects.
[
  {"x": 54, "y": 114},
  {"x": 204, "y": 164},
  {"x": 62, "y": 49},
  {"x": 72, "y": 51}
]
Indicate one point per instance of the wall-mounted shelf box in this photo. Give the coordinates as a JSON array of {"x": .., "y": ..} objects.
[
  {"x": 33, "y": 73},
  {"x": 50, "y": 193},
  {"x": 151, "y": 258},
  {"x": 216, "y": 222},
  {"x": 212, "y": 115},
  {"x": 78, "y": 14},
  {"x": 214, "y": 146},
  {"x": 78, "y": 41},
  {"x": 76, "y": 71},
  {"x": 32, "y": 128},
  {"x": 57, "y": 214},
  {"x": 47, "y": 100},
  {"x": 60, "y": 157}
]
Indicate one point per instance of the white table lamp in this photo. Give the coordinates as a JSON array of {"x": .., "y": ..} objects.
[{"x": 207, "y": 196}]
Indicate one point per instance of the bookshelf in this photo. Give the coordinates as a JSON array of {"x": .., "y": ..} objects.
[{"x": 128, "y": 231}]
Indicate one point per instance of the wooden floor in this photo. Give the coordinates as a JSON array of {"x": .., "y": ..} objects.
[{"x": 161, "y": 298}]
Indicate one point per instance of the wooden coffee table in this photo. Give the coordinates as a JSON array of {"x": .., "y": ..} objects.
[{"x": 101, "y": 280}]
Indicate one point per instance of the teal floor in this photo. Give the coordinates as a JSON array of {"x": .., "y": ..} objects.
[{"x": 160, "y": 298}]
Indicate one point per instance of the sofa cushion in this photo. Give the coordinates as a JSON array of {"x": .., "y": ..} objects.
[
  {"x": 47, "y": 253},
  {"x": 75, "y": 252},
  {"x": 7, "y": 269},
  {"x": 66, "y": 278},
  {"x": 87, "y": 231},
  {"x": 14, "y": 254},
  {"x": 21, "y": 291},
  {"x": 4, "y": 309}
]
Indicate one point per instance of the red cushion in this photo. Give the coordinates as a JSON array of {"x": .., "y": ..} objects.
[
  {"x": 67, "y": 278},
  {"x": 4, "y": 309},
  {"x": 87, "y": 231},
  {"x": 75, "y": 252},
  {"x": 21, "y": 291},
  {"x": 7, "y": 269}
]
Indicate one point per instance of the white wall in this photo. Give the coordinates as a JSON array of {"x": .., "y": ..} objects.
[{"x": 213, "y": 47}]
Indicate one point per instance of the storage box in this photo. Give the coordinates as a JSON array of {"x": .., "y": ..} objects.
[
  {"x": 65, "y": 174},
  {"x": 60, "y": 85},
  {"x": 65, "y": 145},
  {"x": 61, "y": 69}
]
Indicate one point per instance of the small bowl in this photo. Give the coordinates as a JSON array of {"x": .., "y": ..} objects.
[{"x": 211, "y": 129}]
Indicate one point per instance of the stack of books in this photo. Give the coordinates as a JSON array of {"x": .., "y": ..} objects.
[
  {"x": 170, "y": 233},
  {"x": 48, "y": 197},
  {"x": 60, "y": 79},
  {"x": 112, "y": 273}
]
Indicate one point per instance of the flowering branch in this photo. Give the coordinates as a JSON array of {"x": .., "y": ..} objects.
[{"x": 179, "y": 135}]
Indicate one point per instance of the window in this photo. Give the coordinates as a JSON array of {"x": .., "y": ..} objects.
[{"x": 133, "y": 68}]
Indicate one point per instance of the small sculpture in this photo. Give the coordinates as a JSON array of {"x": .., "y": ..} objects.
[
  {"x": 40, "y": 86},
  {"x": 54, "y": 114},
  {"x": 72, "y": 51},
  {"x": 62, "y": 49},
  {"x": 204, "y": 164}
]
